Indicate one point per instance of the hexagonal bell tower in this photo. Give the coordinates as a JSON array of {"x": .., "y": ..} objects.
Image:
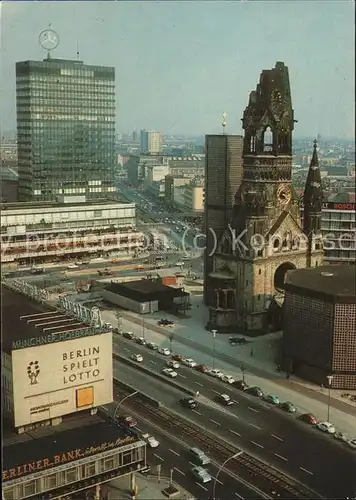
[{"x": 266, "y": 238}]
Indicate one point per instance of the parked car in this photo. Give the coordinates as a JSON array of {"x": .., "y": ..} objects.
[
  {"x": 188, "y": 403},
  {"x": 150, "y": 440},
  {"x": 240, "y": 384},
  {"x": 72, "y": 266},
  {"x": 237, "y": 341},
  {"x": 128, "y": 335},
  {"x": 341, "y": 436},
  {"x": 178, "y": 357},
  {"x": 137, "y": 357},
  {"x": 215, "y": 373},
  {"x": 255, "y": 391},
  {"x": 140, "y": 340},
  {"x": 308, "y": 418},
  {"x": 127, "y": 421},
  {"x": 165, "y": 322},
  {"x": 225, "y": 399},
  {"x": 189, "y": 362},
  {"x": 288, "y": 407},
  {"x": 326, "y": 427},
  {"x": 152, "y": 346},
  {"x": 228, "y": 379},
  {"x": 271, "y": 398},
  {"x": 173, "y": 364},
  {"x": 201, "y": 368},
  {"x": 352, "y": 443},
  {"x": 164, "y": 350},
  {"x": 169, "y": 372}
]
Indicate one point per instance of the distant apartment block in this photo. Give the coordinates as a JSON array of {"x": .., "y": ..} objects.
[{"x": 151, "y": 142}]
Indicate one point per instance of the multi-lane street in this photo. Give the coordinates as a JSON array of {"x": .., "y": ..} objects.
[
  {"x": 301, "y": 450},
  {"x": 174, "y": 455}
]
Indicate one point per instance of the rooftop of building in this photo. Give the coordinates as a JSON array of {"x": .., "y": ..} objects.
[
  {"x": 31, "y": 205},
  {"x": 334, "y": 282},
  {"x": 80, "y": 433},
  {"x": 24, "y": 319},
  {"x": 145, "y": 290}
]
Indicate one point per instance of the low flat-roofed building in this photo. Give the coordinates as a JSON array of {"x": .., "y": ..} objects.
[
  {"x": 81, "y": 453},
  {"x": 145, "y": 296},
  {"x": 319, "y": 337},
  {"x": 38, "y": 232}
]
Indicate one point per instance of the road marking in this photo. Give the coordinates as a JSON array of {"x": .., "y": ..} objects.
[
  {"x": 239, "y": 496},
  {"x": 139, "y": 430},
  {"x": 183, "y": 376},
  {"x": 201, "y": 486},
  {"x": 198, "y": 383},
  {"x": 255, "y": 426},
  {"x": 157, "y": 456},
  {"x": 172, "y": 451},
  {"x": 153, "y": 362},
  {"x": 276, "y": 437},
  {"x": 218, "y": 480},
  {"x": 126, "y": 349},
  {"x": 214, "y": 421},
  {"x": 264, "y": 405},
  {"x": 307, "y": 471},
  {"x": 256, "y": 444},
  {"x": 197, "y": 412},
  {"x": 282, "y": 458},
  {"x": 234, "y": 432},
  {"x": 105, "y": 408},
  {"x": 252, "y": 409},
  {"x": 180, "y": 472}
]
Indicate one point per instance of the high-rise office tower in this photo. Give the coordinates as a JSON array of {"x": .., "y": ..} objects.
[
  {"x": 151, "y": 142},
  {"x": 223, "y": 175},
  {"x": 65, "y": 129}
]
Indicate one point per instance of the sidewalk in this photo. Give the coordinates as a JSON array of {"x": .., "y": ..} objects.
[
  {"x": 191, "y": 339},
  {"x": 148, "y": 488}
]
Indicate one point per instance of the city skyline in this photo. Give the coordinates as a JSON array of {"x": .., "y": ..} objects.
[{"x": 180, "y": 65}]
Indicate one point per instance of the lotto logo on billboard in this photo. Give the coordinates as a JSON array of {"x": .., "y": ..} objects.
[{"x": 49, "y": 381}]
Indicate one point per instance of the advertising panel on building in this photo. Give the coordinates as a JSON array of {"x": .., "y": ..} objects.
[{"x": 61, "y": 378}]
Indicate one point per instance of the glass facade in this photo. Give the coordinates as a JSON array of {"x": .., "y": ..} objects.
[{"x": 65, "y": 130}]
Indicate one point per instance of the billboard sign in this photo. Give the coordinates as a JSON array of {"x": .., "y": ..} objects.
[
  {"x": 332, "y": 205},
  {"x": 53, "y": 380}
]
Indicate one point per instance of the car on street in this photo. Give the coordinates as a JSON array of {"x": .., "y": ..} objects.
[
  {"x": 137, "y": 357},
  {"x": 326, "y": 427},
  {"x": 128, "y": 335},
  {"x": 272, "y": 398},
  {"x": 188, "y": 403},
  {"x": 127, "y": 421},
  {"x": 228, "y": 379},
  {"x": 341, "y": 436},
  {"x": 308, "y": 418},
  {"x": 225, "y": 399},
  {"x": 201, "y": 474},
  {"x": 173, "y": 364},
  {"x": 169, "y": 372},
  {"x": 165, "y": 322},
  {"x": 150, "y": 440},
  {"x": 164, "y": 350},
  {"x": 352, "y": 443},
  {"x": 240, "y": 384},
  {"x": 140, "y": 341},
  {"x": 152, "y": 346},
  {"x": 178, "y": 357},
  {"x": 201, "y": 368},
  {"x": 237, "y": 341},
  {"x": 255, "y": 391},
  {"x": 105, "y": 272},
  {"x": 189, "y": 362},
  {"x": 216, "y": 373},
  {"x": 288, "y": 407},
  {"x": 72, "y": 266},
  {"x": 198, "y": 456}
]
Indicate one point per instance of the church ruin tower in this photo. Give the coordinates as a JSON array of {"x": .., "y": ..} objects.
[{"x": 266, "y": 238}]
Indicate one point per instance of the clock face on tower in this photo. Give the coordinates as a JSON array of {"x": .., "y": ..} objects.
[{"x": 284, "y": 194}]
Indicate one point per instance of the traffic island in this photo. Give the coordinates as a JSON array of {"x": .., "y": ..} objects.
[{"x": 171, "y": 491}]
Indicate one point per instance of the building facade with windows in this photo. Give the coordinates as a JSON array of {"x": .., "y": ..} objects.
[
  {"x": 151, "y": 142},
  {"x": 65, "y": 129},
  {"x": 39, "y": 232},
  {"x": 319, "y": 325}
]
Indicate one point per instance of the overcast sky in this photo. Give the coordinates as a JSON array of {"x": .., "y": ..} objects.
[{"x": 179, "y": 65}]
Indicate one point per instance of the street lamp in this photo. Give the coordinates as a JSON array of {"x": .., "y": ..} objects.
[
  {"x": 235, "y": 455},
  {"x": 122, "y": 400},
  {"x": 242, "y": 368},
  {"x": 143, "y": 326},
  {"x": 170, "y": 341},
  {"x": 214, "y": 332},
  {"x": 330, "y": 379}
]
